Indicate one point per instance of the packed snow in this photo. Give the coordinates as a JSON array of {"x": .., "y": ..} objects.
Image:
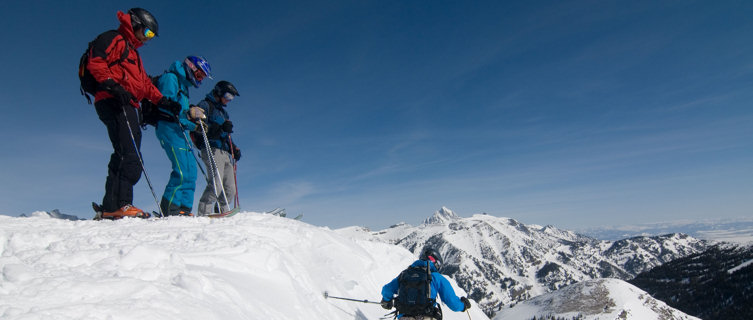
[{"x": 250, "y": 266}]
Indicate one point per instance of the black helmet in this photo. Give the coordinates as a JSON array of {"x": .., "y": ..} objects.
[
  {"x": 142, "y": 18},
  {"x": 223, "y": 87},
  {"x": 429, "y": 254}
]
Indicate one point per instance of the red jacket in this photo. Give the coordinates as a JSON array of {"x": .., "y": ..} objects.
[{"x": 130, "y": 73}]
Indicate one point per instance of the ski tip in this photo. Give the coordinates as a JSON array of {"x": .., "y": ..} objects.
[
  {"x": 97, "y": 211},
  {"x": 226, "y": 214}
]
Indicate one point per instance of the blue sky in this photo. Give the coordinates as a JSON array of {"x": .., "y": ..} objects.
[{"x": 570, "y": 113}]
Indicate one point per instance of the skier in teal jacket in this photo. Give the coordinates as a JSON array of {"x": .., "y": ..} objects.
[
  {"x": 439, "y": 286},
  {"x": 172, "y": 135}
]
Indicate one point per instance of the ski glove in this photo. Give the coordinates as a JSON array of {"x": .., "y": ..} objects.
[
  {"x": 169, "y": 105},
  {"x": 386, "y": 304},
  {"x": 117, "y": 91},
  {"x": 466, "y": 303},
  {"x": 227, "y": 126},
  {"x": 195, "y": 113},
  {"x": 237, "y": 154}
]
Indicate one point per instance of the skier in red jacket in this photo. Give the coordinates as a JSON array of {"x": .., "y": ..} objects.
[{"x": 115, "y": 64}]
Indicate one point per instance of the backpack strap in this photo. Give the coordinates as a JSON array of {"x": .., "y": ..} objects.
[
  {"x": 428, "y": 281},
  {"x": 124, "y": 55}
]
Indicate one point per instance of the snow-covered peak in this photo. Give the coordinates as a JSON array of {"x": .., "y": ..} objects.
[
  {"x": 500, "y": 261},
  {"x": 443, "y": 216},
  {"x": 594, "y": 299}
]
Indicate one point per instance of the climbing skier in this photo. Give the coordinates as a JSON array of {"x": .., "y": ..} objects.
[{"x": 417, "y": 288}]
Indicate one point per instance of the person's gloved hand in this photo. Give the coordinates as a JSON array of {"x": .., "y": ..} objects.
[
  {"x": 117, "y": 91},
  {"x": 227, "y": 126},
  {"x": 169, "y": 105},
  {"x": 195, "y": 113},
  {"x": 386, "y": 304},
  {"x": 466, "y": 303},
  {"x": 237, "y": 154}
]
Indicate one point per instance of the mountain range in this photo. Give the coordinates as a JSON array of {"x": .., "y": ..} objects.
[
  {"x": 729, "y": 230},
  {"x": 714, "y": 284},
  {"x": 501, "y": 262}
]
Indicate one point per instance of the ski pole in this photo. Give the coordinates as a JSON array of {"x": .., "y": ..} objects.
[
  {"x": 208, "y": 150},
  {"x": 190, "y": 148},
  {"x": 190, "y": 145},
  {"x": 214, "y": 164},
  {"x": 235, "y": 170},
  {"x": 326, "y": 295},
  {"x": 141, "y": 160}
]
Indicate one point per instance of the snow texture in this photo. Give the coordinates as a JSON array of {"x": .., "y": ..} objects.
[
  {"x": 595, "y": 299},
  {"x": 250, "y": 266}
]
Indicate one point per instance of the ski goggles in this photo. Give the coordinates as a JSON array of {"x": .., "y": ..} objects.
[
  {"x": 228, "y": 96},
  {"x": 436, "y": 263},
  {"x": 148, "y": 33}
]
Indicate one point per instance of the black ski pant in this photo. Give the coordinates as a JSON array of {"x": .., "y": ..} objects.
[{"x": 124, "y": 169}]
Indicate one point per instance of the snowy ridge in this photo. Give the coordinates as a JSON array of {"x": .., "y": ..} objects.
[
  {"x": 740, "y": 267},
  {"x": 53, "y": 214},
  {"x": 250, "y": 266},
  {"x": 592, "y": 300},
  {"x": 500, "y": 261}
]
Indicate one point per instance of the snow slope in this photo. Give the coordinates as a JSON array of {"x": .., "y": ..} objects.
[
  {"x": 251, "y": 266},
  {"x": 595, "y": 299}
]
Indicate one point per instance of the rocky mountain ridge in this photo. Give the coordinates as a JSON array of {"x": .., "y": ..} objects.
[{"x": 501, "y": 261}]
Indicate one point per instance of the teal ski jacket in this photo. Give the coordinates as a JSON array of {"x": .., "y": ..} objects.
[{"x": 174, "y": 85}]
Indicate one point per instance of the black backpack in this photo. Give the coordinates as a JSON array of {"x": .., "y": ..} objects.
[
  {"x": 89, "y": 86},
  {"x": 150, "y": 112},
  {"x": 414, "y": 293}
]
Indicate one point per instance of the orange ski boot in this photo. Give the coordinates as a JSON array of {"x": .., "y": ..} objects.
[{"x": 128, "y": 211}]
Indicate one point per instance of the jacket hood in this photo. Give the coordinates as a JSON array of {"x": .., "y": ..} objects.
[
  {"x": 422, "y": 263},
  {"x": 210, "y": 97},
  {"x": 126, "y": 29},
  {"x": 177, "y": 68}
]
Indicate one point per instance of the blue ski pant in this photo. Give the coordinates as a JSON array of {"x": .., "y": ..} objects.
[{"x": 179, "y": 191}]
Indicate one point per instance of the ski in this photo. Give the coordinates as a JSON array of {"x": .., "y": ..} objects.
[
  {"x": 280, "y": 212},
  {"x": 277, "y": 212},
  {"x": 226, "y": 214}
]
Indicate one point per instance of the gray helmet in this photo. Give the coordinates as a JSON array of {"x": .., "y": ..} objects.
[{"x": 142, "y": 18}]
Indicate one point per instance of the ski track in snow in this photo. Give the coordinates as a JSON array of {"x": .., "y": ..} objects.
[{"x": 251, "y": 266}]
